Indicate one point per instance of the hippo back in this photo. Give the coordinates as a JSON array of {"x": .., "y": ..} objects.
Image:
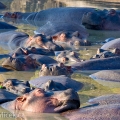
[
  {"x": 53, "y": 28},
  {"x": 58, "y": 14},
  {"x": 98, "y": 64},
  {"x": 108, "y": 75},
  {"x": 13, "y": 39},
  {"x": 42, "y": 59},
  {"x": 112, "y": 44},
  {"x": 65, "y": 81}
]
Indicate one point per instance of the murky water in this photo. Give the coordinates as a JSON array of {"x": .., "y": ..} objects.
[{"x": 89, "y": 89}]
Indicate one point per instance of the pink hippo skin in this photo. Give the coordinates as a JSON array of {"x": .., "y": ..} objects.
[{"x": 39, "y": 101}]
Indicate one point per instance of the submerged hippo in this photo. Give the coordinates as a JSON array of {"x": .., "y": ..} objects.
[
  {"x": 32, "y": 61},
  {"x": 55, "y": 70},
  {"x": 70, "y": 33},
  {"x": 114, "y": 44},
  {"x": 57, "y": 20},
  {"x": 68, "y": 56},
  {"x": 102, "y": 112},
  {"x": 102, "y": 19},
  {"x": 101, "y": 53},
  {"x": 106, "y": 99},
  {"x": 62, "y": 14},
  {"x": 107, "y": 75},
  {"x": 16, "y": 86},
  {"x": 98, "y": 64},
  {"x": 13, "y": 39},
  {"x": 6, "y": 96},
  {"x": 6, "y": 27},
  {"x": 40, "y": 101},
  {"x": 32, "y": 50},
  {"x": 51, "y": 83}
]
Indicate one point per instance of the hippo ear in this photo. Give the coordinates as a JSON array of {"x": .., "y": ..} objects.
[
  {"x": 54, "y": 37},
  {"x": 21, "y": 99}
]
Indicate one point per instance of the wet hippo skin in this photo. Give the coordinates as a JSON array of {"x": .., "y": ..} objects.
[{"x": 41, "y": 102}]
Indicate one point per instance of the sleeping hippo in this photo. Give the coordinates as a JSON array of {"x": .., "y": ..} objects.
[
  {"x": 40, "y": 101},
  {"x": 107, "y": 75},
  {"x": 16, "y": 86},
  {"x": 98, "y": 64},
  {"x": 32, "y": 61},
  {"x": 14, "y": 39},
  {"x": 55, "y": 70},
  {"x": 102, "y": 112},
  {"x": 6, "y": 27},
  {"x": 114, "y": 44},
  {"x": 102, "y": 19},
  {"x": 2, "y": 6},
  {"x": 68, "y": 56},
  {"x": 52, "y": 82}
]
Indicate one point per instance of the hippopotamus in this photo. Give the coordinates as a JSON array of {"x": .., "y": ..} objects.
[
  {"x": 107, "y": 75},
  {"x": 2, "y": 6},
  {"x": 98, "y": 64},
  {"x": 61, "y": 14},
  {"x": 32, "y": 61},
  {"x": 14, "y": 39},
  {"x": 55, "y": 70},
  {"x": 16, "y": 86},
  {"x": 101, "y": 53},
  {"x": 32, "y": 50},
  {"x": 106, "y": 99},
  {"x": 102, "y": 19},
  {"x": 57, "y": 20},
  {"x": 40, "y": 101},
  {"x": 102, "y": 112},
  {"x": 68, "y": 56},
  {"x": 114, "y": 44},
  {"x": 6, "y": 27},
  {"x": 70, "y": 33},
  {"x": 49, "y": 82},
  {"x": 6, "y": 96}
]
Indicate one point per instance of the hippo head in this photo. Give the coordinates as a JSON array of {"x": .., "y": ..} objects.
[
  {"x": 102, "y": 19},
  {"x": 42, "y": 102},
  {"x": 55, "y": 70},
  {"x": 68, "y": 56},
  {"x": 72, "y": 38},
  {"x": 42, "y": 41},
  {"x": 13, "y": 15},
  {"x": 16, "y": 86}
]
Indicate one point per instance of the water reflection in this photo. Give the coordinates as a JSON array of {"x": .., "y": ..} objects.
[{"x": 22, "y": 115}]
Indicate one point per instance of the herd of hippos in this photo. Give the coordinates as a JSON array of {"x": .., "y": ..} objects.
[{"x": 54, "y": 91}]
